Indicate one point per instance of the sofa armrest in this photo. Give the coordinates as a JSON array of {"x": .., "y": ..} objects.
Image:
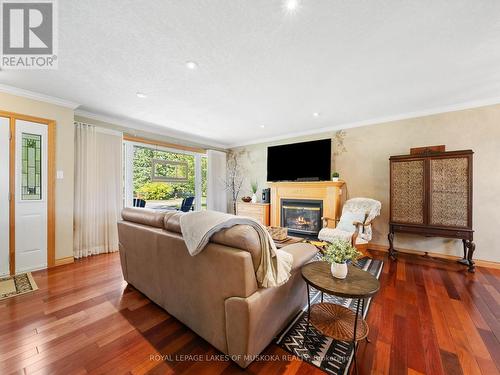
[
  {"x": 301, "y": 252},
  {"x": 253, "y": 322}
]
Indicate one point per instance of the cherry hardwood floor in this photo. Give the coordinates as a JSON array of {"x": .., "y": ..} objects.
[{"x": 430, "y": 317}]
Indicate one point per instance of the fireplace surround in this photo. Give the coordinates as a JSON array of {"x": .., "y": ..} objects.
[
  {"x": 330, "y": 193},
  {"x": 301, "y": 216}
]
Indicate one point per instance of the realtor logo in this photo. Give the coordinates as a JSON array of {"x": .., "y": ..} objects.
[{"x": 29, "y": 34}]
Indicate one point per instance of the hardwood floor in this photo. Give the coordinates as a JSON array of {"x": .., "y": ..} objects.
[{"x": 430, "y": 317}]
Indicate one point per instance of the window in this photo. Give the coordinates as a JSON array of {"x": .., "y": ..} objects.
[
  {"x": 163, "y": 177},
  {"x": 31, "y": 184}
]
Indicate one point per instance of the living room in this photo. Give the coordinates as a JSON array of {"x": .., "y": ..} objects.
[{"x": 286, "y": 186}]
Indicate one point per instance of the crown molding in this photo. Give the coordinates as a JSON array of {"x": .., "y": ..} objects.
[
  {"x": 129, "y": 124},
  {"x": 193, "y": 139},
  {"x": 37, "y": 96},
  {"x": 376, "y": 121}
]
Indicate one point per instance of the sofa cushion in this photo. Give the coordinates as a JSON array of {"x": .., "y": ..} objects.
[
  {"x": 301, "y": 252},
  {"x": 144, "y": 216},
  {"x": 242, "y": 237},
  {"x": 172, "y": 221}
]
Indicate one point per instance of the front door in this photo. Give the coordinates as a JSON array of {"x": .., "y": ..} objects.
[{"x": 31, "y": 196}]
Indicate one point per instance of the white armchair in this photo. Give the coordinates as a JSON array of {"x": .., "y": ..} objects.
[{"x": 355, "y": 224}]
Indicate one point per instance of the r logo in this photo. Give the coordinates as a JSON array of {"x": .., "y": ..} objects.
[{"x": 27, "y": 28}]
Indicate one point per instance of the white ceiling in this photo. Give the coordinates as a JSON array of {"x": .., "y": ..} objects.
[{"x": 353, "y": 61}]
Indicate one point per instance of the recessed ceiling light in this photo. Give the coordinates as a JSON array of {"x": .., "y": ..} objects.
[
  {"x": 316, "y": 114},
  {"x": 192, "y": 65},
  {"x": 141, "y": 95},
  {"x": 262, "y": 126},
  {"x": 291, "y": 5}
]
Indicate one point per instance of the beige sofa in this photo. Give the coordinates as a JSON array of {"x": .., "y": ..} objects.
[{"x": 214, "y": 293}]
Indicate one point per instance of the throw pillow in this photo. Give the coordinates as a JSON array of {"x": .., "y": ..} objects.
[{"x": 348, "y": 218}]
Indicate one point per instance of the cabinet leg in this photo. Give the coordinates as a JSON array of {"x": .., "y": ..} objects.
[
  {"x": 469, "y": 248},
  {"x": 392, "y": 251}
]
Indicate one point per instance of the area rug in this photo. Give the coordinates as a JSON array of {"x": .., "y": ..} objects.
[
  {"x": 331, "y": 356},
  {"x": 15, "y": 285}
]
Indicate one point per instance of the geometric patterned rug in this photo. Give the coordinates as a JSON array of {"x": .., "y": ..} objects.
[
  {"x": 331, "y": 356},
  {"x": 11, "y": 286}
]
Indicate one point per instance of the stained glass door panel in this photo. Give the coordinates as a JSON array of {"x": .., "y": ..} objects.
[{"x": 31, "y": 167}]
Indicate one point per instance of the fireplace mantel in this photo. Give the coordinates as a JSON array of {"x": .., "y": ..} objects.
[{"x": 330, "y": 192}]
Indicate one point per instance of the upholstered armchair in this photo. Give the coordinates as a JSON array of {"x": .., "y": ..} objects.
[{"x": 355, "y": 224}]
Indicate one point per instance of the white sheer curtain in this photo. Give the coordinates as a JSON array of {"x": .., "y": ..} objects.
[
  {"x": 98, "y": 190},
  {"x": 216, "y": 189}
]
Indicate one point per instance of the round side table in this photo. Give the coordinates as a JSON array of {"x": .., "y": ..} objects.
[{"x": 336, "y": 321}]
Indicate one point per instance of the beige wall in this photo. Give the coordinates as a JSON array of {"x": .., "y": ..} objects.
[
  {"x": 64, "y": 161},
  {"x": 365, "y": 168}
]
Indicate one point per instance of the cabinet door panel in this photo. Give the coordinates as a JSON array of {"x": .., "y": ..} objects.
[
  {"x": 449, "y": 195},
  {"x": 407, "y": 191}
]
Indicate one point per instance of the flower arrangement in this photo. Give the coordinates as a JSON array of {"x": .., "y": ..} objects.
[{"x": 340, "y": 251}]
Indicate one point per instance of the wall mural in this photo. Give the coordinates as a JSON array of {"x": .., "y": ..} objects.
[{"x": 338, "y": 143}]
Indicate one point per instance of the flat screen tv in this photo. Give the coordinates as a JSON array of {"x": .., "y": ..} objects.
[{"x": 306, "y": 161}]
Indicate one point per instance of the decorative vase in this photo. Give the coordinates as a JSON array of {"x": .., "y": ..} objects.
[
  {"x": 339, "y": 270},
  {"x": 335, "y": 179},
  {"x": 254, "y": 198}
]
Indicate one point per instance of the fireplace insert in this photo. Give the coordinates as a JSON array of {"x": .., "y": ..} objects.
[{"x": 302, "y": 216}]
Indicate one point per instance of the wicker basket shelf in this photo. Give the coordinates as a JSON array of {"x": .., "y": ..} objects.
[{"x": 337, "y": 322}]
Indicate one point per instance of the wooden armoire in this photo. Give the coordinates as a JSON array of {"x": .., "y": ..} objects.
[{"x": 431, "y": 195}]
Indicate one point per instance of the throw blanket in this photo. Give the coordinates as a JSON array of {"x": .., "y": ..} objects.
[{"x": 197, "y": 228}]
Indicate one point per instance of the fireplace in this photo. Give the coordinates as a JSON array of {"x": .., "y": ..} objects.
[{"x": 301, "y": 216}]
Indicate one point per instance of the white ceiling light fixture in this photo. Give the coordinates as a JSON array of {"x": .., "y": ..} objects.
[
  {"x": 192, "y": 65},
  {"x": 262, "y": 126},
  {"x": 316, "y": 114},
  {"x": 141, "y": 95},
  {"x": 291, "y": 6}
]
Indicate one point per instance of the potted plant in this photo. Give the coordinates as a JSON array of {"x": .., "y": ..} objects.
[
  {"x": 337, "y": 254},
  {"x": 254, "y": 191},
  {"x": 335, "y": 176}
]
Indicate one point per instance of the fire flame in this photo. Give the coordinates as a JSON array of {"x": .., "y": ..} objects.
[{"x": 301, "y": 221}]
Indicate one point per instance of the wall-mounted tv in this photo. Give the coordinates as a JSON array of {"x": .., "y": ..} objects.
[{"x": 305, "y": 161}]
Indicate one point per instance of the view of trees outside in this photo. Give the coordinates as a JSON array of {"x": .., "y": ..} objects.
[
  {"x": 204, "y": 176},
  {"x": 165, "y": 193}
]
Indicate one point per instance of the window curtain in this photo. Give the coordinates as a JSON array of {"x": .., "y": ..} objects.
[
  {"x": 216, "y": 181},
  {"x": 98, "y": 190}
]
